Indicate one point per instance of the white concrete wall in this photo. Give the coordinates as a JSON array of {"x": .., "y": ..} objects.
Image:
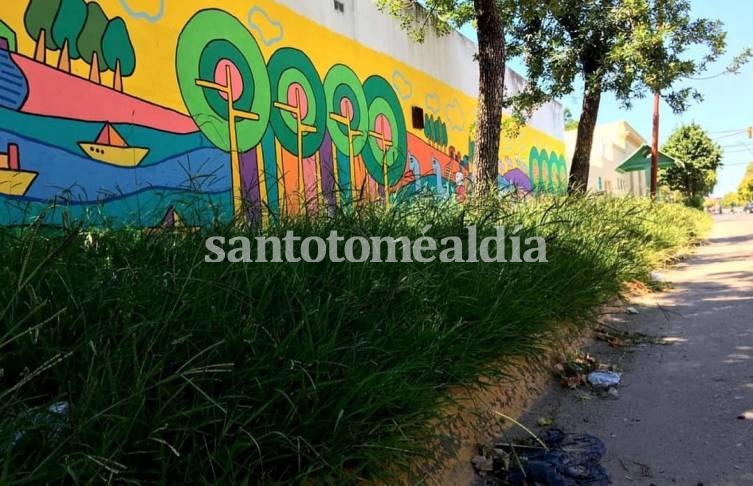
[
  {"x": 613, "y": 143},
  {"x": 449, "y": 58}
]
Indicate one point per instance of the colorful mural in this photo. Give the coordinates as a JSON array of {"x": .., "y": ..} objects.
[{"x": 128, "y": 112}]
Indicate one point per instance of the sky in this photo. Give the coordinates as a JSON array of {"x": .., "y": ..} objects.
[{"x": 727, "y": 109}]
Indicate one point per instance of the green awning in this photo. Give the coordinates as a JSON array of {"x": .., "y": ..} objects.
[{"x": 641, "y": 160}]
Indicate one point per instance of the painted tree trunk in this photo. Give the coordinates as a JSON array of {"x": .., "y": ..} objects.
[
  {"x": 117, "y": 80},
  {"x": 40, "y": 53},
  {"x": 491, "y": 60},
  {"x": 64, "y": 62},
  {"x": 94, "y": 70},
  {"x": 584, "y": 140}
]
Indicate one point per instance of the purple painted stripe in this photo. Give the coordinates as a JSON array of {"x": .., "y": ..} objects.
[
  {"x": 326, "y": 160},
  {"x": 250, "y": 185}
]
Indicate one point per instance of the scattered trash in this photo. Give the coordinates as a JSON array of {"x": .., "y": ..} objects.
[
  {"x": 585, "y": 370},
  {"x": 545, "y": 422},
  {"x": 604, "y": 379},
  {"x": 573, "y": 372},
  {"x": 53, "y": 421},
  {"x": 632, "y": 310},
  {"x": 746, "y": 416},
  {"x": 483, "y": 464},
  {"x": 553, "y": 459},
  {"x": 616, "y": 338},
  {"x": 657, "y": 277}
]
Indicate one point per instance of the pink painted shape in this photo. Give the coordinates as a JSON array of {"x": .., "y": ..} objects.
[
  {"x": 382, "y": 126},
  {"x": 346, "y": 109},
  {"x": 55, "y": 93},
  {"x": 13, "y": 158},
  {"x": 220, "y": 77},
  {"x": 296, "y": 94}
]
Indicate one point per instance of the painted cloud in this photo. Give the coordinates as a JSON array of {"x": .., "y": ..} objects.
[
  {"x": 455, "y": 116},
  {"x": 270, "y": 31},
  {"x": 149, "y": 10},
  {"x": 402, "y": 85}
]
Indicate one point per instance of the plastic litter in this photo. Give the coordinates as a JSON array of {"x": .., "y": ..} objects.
[
  {"x": 604, "y": 379},
  {"x": 572, "y": 460},
  {"x": 633, "y": 311},
  {"x": 54, "y": 420},
  {"x": 657, "y": 277}
]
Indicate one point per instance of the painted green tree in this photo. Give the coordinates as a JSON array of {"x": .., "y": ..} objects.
[
  {"x": 118, "y": 51},
  {"x": 89, "y": 42},
  {"x": 429, "y": 127},
  {"x": 69, "y": 21},
  {"x": 442, "y": 137},
  {"x": 38, "y": 20},
  {"x": 699, "y": 159}
]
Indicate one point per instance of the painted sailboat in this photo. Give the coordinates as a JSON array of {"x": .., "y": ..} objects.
[
  {"x": 13, "y": 180},
  {"x": 111, "y": 148},
  {"x": 172, "y": 221}
]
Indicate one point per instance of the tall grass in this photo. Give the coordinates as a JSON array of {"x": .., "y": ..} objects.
[{"x": 180, "y": 371}]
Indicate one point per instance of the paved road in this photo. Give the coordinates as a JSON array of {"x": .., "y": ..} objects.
[{"x": 675, "y": 420}]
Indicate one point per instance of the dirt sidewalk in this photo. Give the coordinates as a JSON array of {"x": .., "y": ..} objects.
[{"x": 675, "y": 420}]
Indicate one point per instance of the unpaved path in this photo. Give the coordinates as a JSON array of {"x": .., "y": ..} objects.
[{"x": 675, "y": 420}]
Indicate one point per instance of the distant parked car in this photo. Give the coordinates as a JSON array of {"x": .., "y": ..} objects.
[{"x": 748, "y": 208}]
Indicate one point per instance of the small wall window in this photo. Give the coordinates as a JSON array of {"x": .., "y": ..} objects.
[
  {"x": 339, "y": 6},
  {"x": 417, "y": 114}
]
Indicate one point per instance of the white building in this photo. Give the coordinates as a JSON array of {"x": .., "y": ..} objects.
[{"x": 614, "y": 142}]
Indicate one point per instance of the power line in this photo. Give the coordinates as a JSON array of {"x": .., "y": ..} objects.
[
  {"x": 739, "y": 132},
  {"x": 735, "y": 130}
]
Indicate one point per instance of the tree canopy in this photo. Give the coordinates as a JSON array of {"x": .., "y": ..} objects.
[
  {"x": 745, "y": 190},
  {"x": 700, "y": 158},
  {"x": 440, "y": 15}
]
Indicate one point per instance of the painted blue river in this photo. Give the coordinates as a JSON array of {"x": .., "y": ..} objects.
[{"x": 182, "y": 171}]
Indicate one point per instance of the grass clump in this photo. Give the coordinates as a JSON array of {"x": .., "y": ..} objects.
[{"x": 175, "y": 370}]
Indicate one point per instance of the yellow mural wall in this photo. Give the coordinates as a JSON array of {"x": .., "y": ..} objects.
[{"x": 154, "y": 27}]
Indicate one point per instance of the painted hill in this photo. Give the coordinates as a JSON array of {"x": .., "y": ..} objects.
[{"x": 55, "y": 93}]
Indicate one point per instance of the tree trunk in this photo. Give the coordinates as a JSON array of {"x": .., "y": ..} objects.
[
  {"x": 584, "y": 140},
  {"x": 94, "y": 70},
  {"x": 64, "y": 62},
  {"x": 117, "y": 79},
  {"x": 40, "y": 53},
  {"x": 491, "y": 60}
]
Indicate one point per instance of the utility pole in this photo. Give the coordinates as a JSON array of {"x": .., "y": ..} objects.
[
  {"x": 655, "y": 147},
  {"x": 655, "y": 132}
]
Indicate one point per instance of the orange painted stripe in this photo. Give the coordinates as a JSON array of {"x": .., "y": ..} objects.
[{"x": 290, "y": 181}]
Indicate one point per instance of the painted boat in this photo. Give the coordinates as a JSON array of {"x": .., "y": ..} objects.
[
  {"x": 111, "y": 148},
  {"x": 172, "y": 221},
  {"x": 13, "y": 180}
]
